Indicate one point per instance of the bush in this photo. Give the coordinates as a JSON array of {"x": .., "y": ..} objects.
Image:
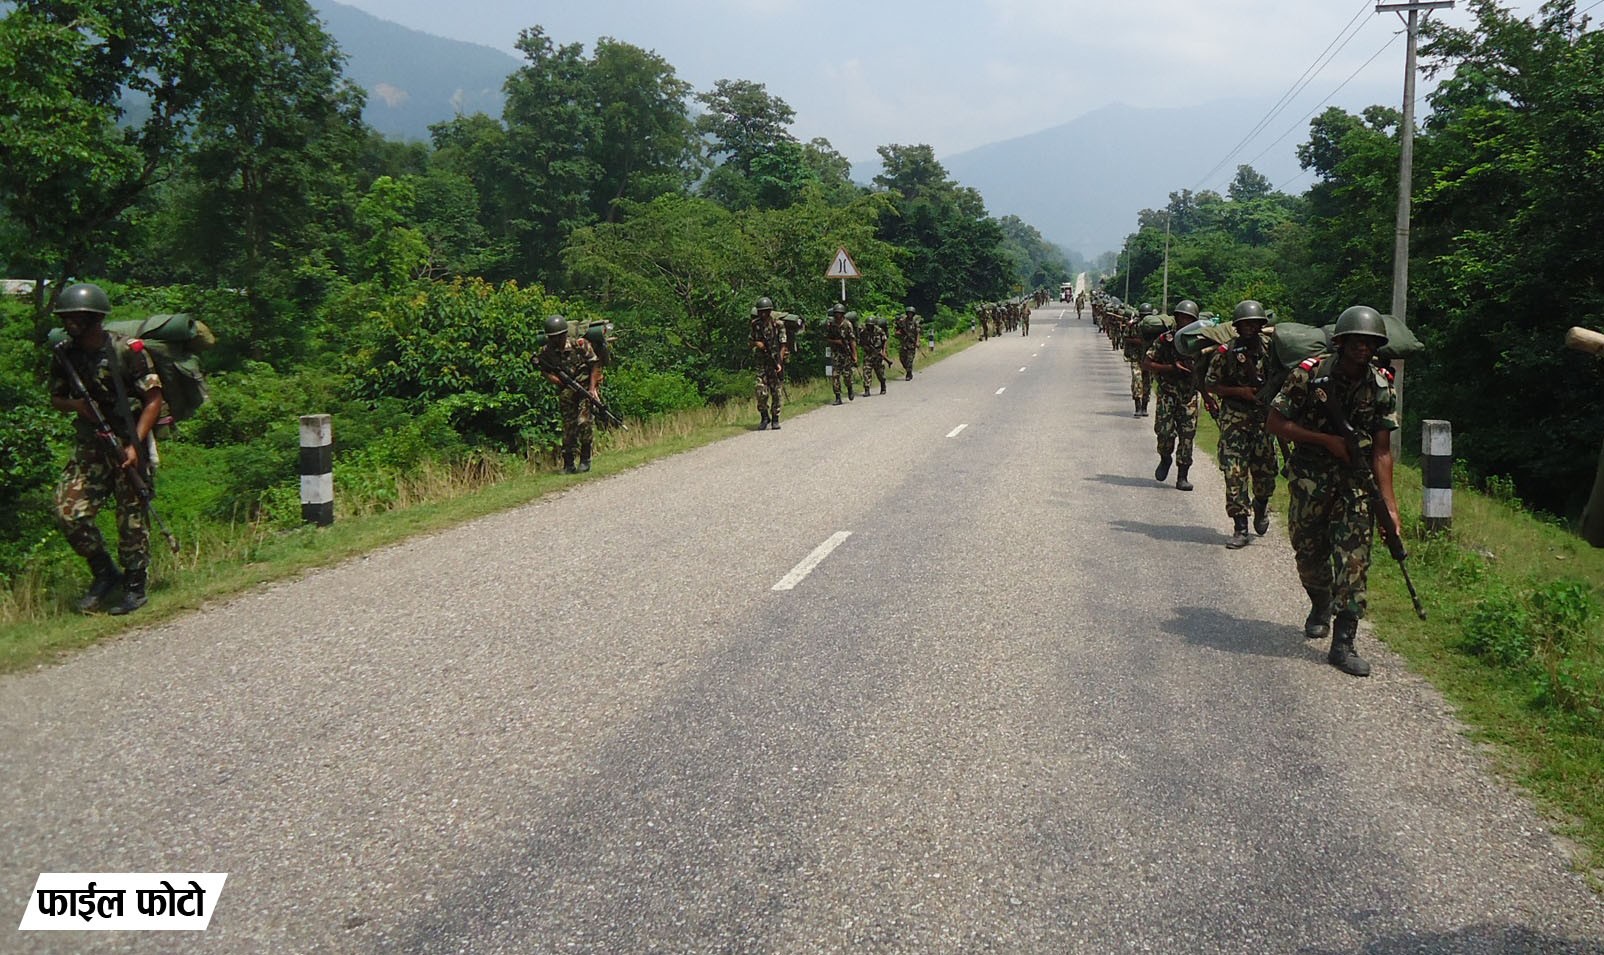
[
  {"x": 1499, "y": 629},
  {"x": 638, "y": 392}
]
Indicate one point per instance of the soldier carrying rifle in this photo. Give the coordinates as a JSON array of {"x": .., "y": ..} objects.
[
  {"x": 575, "y": 368},
  {"x": 1339, "y": 412},
  {"x": 111, "y": 386}
]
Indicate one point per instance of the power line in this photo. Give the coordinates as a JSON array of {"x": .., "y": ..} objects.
[
  {"x": 1310, "y": 73},
  {"x": 1295, "y": 126}
]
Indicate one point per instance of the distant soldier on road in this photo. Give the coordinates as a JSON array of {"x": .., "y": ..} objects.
[
  {"x": 1024, "y": 320},
  {"x": 120, "y": 379},
  {"x": 1247, "y": 452},
  {"x": 908, "y": 328},
  {"x": 1176, "y": 424},
  {"x": 1080, "y": 302},
  {"x": 769, "y": 347},
  {"x": 1141, "y": 379},
  {"x": 577, "y": 359},
  {"x": 872, "y": 349},
  {"x": 842, "y": 341}
]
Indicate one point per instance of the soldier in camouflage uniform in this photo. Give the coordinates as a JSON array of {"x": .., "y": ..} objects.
[
  {"x": 577, "y": 358},
  {"x": 1247, "y": 452},
  {"x": 1330, "y": 515},
  {"x": 1024, "y": 320},
  {"x": 872, "y": 341},
  {"x": 1176, "y": 424},
  {"x": 1141, "y": 379},
  {"x": 769, "y": 346},
  {"x": 842, "y": 342},
  {"x": 123, "y": 384},
  {"x": 908, "y": 340}
]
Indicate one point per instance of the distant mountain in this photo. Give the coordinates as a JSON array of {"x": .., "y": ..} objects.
[
  {"x": 1082, "y": 183},
  {"x": 414, "y": 79}
]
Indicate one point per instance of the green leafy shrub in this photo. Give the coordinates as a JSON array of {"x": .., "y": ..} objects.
[
  {"x": 1499, "y": 629},
  {"x": 639, "y": 392}
]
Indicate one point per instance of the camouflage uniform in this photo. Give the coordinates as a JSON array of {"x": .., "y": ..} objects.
[
  {"x": 872, "y": 345},
  {"x": 1247, "y": 451},
  {"x": 1024, "y": 320},
  {"x": 842, "y": 340},
  {"x": 1176, "y": 424},
  {"x": 1329, "y": 515},
  {"x": 907, "y": 340},
  {"x": 1141, "y": 378},
  {"x": 770, "y": 365},
  {"x": 576, "y": 358},
  {"x": 120, "y": 368}
]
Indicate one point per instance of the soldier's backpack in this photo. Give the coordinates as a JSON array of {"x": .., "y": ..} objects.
[
  {"x": 1193, "y": 339},
  {"x": 1153, "y": 326},
  {"x": 174, "y": 343},
  {"x": 596, "y": 331}
]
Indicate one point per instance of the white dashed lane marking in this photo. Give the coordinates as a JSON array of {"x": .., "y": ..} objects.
[
  {"x": 954, "y": 432},
  {"x": 1002, "y": 389},
  {"x": 801, "y": 571}
]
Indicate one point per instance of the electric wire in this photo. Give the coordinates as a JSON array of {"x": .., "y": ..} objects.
[{"x": 1310, "y": 73}]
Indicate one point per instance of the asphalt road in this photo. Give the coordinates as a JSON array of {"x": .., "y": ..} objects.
[{"x": 1027, "y": 703}]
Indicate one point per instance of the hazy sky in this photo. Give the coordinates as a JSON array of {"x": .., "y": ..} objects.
[{"x": 962, "y": 74}]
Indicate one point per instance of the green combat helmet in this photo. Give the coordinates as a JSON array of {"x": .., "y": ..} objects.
[
  {"x": 1361, "y": 320},
  {"x": 852, "y": 317},
  {"x": 764, "y": 304},
  {"x": 1185, "y": 307},
  {"x": 83, "y": 297},
  {"x": 1146, "y": 309},
  {"x": 556, "y": 325},
  {"x": 910, "y": 310},
  {"x": 1249, "y": 311},
  {"x": 838, "y": 309}
]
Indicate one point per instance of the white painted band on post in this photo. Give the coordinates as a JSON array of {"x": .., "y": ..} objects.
[
  {"x": 1439, "y": 502},
  {"x": 317, "y": 469}
]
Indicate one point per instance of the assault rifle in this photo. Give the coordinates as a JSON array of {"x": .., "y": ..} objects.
[
  {"x": 1378, "y": 504},
  {"x": 113, "y": 448},
  {"x": 607, "y": 414}
]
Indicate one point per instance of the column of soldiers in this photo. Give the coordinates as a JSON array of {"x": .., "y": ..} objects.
[
  {"x": 994, "y": 318},
  {"x": 1336, "y": 413},
  {"x": 852, "y": 344}
]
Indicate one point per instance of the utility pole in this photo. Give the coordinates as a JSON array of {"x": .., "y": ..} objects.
[
  {"x": 1127, "y": 270},
  {"x": 1165, "y": 307},
  {"x": 1406, "y": 160}
]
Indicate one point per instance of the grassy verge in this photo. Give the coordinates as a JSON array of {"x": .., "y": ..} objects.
[
  {"x": 1515, "y": 641},
  {"x": 218, "y": 561}
]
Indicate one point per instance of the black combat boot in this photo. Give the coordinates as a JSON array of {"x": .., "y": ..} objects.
[
  {"x": 568, "y": 463},
  {"x": 1341, "y": 656},
  {"x": 776, "y": 421},
  {"x": 1317, "y": 625},
  {"x": 837, "y": 399},
  {"x": 1261, "y": 516},
  {"x": 1138, "y": 412},
  {"x": 584, "y": 457},
  {"x": 1239, "y": 538},
  {"x": 1163, "y": 470},
  {"x": 134, "y": 594},
  {"x": 849, "y": 391},
  {"x": 764, "y": 424},
  {"x": 1181, "y": 483},
  {"x": 882, "y": 387},
  {"x": 1144, "y": 407},
  {"x": 107, "y": 577}
]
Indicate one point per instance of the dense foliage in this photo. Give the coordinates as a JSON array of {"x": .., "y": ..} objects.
[
  {"x": 211, "y": 158},
  {"x": 1505, "y": 253}
]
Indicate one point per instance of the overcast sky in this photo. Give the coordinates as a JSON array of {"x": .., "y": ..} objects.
[{"x": 962, "y": 73}]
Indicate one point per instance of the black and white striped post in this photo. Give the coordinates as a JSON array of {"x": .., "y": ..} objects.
[
  {"x": 317, "y": 469},
  {"x": 1437, "y": 460}
]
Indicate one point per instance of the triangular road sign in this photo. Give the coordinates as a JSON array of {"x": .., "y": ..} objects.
[{"x": 841, "y": 267}]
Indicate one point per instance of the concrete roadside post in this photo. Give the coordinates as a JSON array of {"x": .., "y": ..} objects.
[
  {"x": 317, "y": 469},
  {"x": 1437, "y": 472}
]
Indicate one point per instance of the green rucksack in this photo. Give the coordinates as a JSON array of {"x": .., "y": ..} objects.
[
  {"x": 174, "y": 343},
  {"x": 1196, "y": 337}
]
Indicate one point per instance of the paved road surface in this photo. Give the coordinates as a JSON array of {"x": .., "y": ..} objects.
[{"x": 1028, "y": 703}]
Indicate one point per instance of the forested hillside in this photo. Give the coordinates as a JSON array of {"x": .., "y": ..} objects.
[
  {"x": 1506, "y": 250},
  {"x": 402, "y": 286}
]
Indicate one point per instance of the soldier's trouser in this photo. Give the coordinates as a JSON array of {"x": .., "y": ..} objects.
[
  {"x": 1024, "y": 327},
  {"x": 768, "y": 393},
  {"x": 1141, "y": 382},
  {"x": 1247, "y": 459},
  {"x": 1176, "y": 423},
  {"x": 1329, "y": 520},
  {"x": 905, "y": 355},
  {"x": 578, "y": 427},
  {"x": 841, "y": 370},
  {"x": 873, "y": 365},
  {"x": 86, "y": 482}
]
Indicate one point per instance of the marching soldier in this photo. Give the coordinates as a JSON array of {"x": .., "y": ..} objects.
[
  {"x": 1176, "y": 424},
  {"x": 1330, "y": 514},
  {"x": 873, "y": 340},
  {"x": 1141, "y": 379},
  {"x": 119, "y": 379},
  {"x": 577, "y": 359},
  {"x": 842, "y": 342},
  {"x": 1247, "y": 452},
  {"x": 908, "y": 340},
  {"x": 769, "y": 346}
]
